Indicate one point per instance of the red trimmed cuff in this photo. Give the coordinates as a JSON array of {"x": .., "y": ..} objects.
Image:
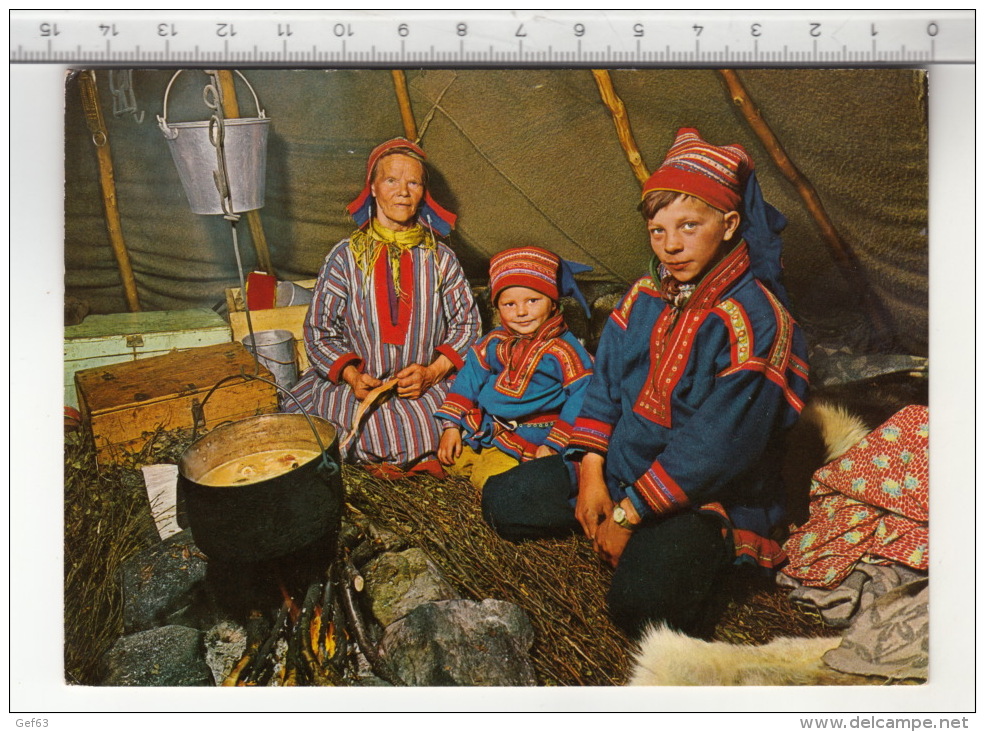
[
  {"x": 452, "y": 355},
  {"x": 660, "y": 491},
  {"x": 454, "y": 408},
  {"x": 559, "y": 436},
  {"x": 591, "y": 435},
  {"x": 343, "y": 361}
]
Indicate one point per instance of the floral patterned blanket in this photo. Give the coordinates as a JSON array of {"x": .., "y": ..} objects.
[{"x": 871, "y": 504}]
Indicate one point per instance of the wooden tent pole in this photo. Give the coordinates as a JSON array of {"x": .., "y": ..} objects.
[
  {"x": 230, "y": 110},
  {"x": 107, "y": 181},
  {"x": 621, "y": 121},
  {"x": 403, "y": 100},
  {"x": 844, "y": 258}
]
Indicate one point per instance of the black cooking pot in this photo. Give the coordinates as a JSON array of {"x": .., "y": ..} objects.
[{"x": 274, "y": 517}]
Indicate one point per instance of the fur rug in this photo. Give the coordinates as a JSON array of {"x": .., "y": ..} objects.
[{"x": 668, "y": 658}]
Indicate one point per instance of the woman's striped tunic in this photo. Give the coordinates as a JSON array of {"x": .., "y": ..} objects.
[{"x": 350, "y": 322}]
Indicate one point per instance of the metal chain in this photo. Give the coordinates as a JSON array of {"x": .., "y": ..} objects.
[
  {"x": 212, "y": 94},
  {"x": 124, "y": 101}
]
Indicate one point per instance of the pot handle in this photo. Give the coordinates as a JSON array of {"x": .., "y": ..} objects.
[{"x": 327, "y": 468}]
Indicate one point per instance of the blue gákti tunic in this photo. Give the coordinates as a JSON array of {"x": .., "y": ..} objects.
[
  {"x": 689, "y": 407},
  {"x": 517, "y": 410}
]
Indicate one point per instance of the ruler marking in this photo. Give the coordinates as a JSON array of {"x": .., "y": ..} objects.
[{"x": 911, "y": 40}]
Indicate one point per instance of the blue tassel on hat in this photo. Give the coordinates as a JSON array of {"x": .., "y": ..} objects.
[
  {"x": 567, "y": 287},
  {"x": 761, "y": 226}
]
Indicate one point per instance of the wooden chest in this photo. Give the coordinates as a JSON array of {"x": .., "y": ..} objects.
[
  {"x": 101, "y": 340},
  {"x": 127, "y": 403}
]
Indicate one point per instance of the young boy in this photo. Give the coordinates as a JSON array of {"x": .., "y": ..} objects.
[
  {"x": 522, "y": 385},
  {"x": 674, "y": 459}
]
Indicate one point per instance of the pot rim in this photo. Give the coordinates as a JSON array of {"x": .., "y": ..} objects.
[{"x": 228, "y": 432}]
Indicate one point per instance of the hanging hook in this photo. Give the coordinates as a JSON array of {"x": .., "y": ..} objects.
[{"x": 124, "y": 101}]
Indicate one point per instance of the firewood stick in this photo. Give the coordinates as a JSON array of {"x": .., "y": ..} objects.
[
  {"x": 327, "y": 616},
  {"x": 351, "y": 606},
  {"x": 107, "y": 182},
  {"x": 302, "y": 637},
  {"x": 230, "y": 110},
  {"x": 621, "y": 120},
  {"x": 844, "y": 258},
  {"x": 254, "y": 677},
  {"x": 339, "y": 658},
  {"x": 403, "y": 101}
]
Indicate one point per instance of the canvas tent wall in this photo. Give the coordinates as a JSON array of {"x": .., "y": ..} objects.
[{"x": 524, "y": 157}]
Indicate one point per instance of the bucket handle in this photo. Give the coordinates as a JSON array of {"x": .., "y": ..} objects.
[
  {"x": 198, "y": 411},
  {"x": 162, "y": 122}
]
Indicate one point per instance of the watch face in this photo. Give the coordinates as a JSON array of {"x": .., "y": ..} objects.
[{"x": 619, "y": 515}]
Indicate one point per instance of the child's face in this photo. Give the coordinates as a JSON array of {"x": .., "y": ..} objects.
[
  {"x": 523, "y": 310},
  {"x": 688, "y": 236}
]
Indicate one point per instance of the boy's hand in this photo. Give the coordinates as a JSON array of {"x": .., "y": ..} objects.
[
  {"x": 611, "y": 540},
  {"x": 361, "y": 384},
  {"x": 544, "y": 451},
  {"x": 594, "y": 504},
  {"x": 450, "y": 446}
]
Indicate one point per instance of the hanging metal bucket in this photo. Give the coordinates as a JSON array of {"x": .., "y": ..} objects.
[{"x": 245, "y": 148}]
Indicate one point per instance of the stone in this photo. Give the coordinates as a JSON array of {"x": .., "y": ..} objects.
[
  {"x": 461, "y": 643},
  {"x": 225, "y": 644},
  {"x": 397, "y": 582},
  {"x": 172, "y": 655},
  {"x": 162, "y": 583}
]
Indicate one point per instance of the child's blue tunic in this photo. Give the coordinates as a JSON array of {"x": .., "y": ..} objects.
[
  {"x": 690, "y": 406},
  {"x": 534, "y": 404}
]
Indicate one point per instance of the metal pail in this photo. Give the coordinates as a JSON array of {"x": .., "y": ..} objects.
[
  {"x": 245, "y": 148},
  {"x": 275, "y": 349}
]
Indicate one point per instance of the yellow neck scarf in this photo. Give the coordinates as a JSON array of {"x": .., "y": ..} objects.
[{"x": 365, "y": 246}]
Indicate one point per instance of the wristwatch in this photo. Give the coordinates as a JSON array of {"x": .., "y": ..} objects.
[{"x": 620, "y": 517}]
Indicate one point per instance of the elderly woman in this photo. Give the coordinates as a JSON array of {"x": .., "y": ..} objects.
[{"x": 391, "y": 302}]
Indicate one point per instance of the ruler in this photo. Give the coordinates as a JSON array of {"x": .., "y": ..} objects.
[{"x": 477, "y": 38}]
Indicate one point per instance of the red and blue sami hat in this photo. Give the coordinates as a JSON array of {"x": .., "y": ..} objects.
[
  {"x": 430, "y": 213},
  {"x": 713, "y": 174},
  {"x": 536, "y": 269},
  {"x": 723, "y": 177}
]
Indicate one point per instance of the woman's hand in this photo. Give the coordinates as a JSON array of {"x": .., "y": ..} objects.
[
  {"x": 361, "y": 384},
  {"x": 544, "y": 451},
  {"x": 450, "y": 446},
  {"x": 594, "y": 504},
  {"x": 415, "y": 380}
]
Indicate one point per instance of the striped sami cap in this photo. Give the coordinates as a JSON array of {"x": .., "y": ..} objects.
[
  {"x": 713, "y": 174},
  {"x": 530, "y": 267}
]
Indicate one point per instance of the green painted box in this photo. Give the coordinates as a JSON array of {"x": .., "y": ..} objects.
[{"x": 101, "y": 340}]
